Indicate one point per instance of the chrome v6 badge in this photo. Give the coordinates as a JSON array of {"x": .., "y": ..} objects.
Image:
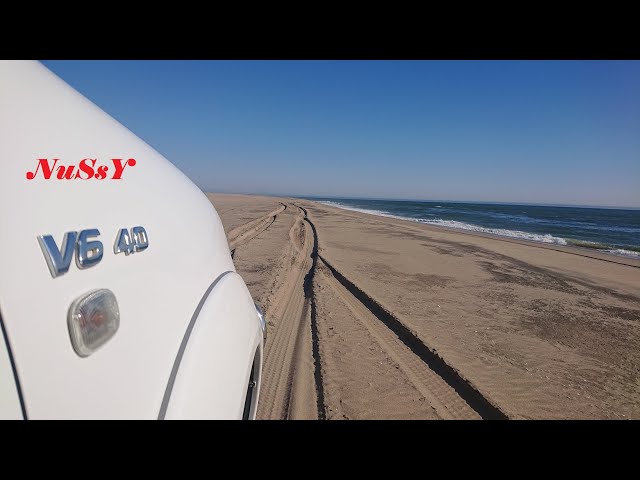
[{"x": 88, "y": 250}]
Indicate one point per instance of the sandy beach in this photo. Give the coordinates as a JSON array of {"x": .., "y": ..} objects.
[{"x": 378, "y": 318}]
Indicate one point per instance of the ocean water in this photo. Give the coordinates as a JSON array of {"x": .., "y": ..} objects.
[{"x": 614, "y": 231}]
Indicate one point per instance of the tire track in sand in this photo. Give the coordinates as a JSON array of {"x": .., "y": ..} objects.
[
  {"x": 287, "y": 387},
  {"x": 315, "y": 340},
  {"x": 292, "y": 370},
  {"x": 248, "y": 231},
  {"x": 452, "y": 396}
]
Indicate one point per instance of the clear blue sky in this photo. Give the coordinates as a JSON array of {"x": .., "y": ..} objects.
[{"x": 562, "y": 132}]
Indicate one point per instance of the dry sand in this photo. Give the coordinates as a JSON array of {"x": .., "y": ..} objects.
[{"x": 372, "y": 317}]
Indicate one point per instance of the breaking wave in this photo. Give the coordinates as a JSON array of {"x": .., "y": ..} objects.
[{"x": 502, "y": 232}]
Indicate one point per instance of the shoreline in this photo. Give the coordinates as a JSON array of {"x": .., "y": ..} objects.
[
  {"x": 374, "y": 317},
  {"x": 593, "y": 253}
]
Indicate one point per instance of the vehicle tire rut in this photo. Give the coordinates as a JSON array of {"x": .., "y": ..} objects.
[
  {"x": 450, "y": 394},
  {"x": 285, "y": 350},
  {"x": 247, "y": 232}
]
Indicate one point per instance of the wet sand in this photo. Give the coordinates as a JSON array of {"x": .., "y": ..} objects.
[{"x": 372, "y": 317}]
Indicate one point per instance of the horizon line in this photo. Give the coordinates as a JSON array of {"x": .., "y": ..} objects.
[
  {"x": 480, "y": 202},
  {"x": 485, "y": 202}
]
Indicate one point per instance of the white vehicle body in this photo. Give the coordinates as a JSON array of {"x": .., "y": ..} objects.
[{"x": 189, "y": 336}]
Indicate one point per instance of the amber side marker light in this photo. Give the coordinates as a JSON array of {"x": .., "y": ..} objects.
[{"x": 93, "y": 320}]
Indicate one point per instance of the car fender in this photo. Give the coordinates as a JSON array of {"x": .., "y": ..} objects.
[{"x": 223, "y": 337}]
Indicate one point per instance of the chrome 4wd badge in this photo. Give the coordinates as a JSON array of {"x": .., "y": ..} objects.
[{"x": 87, "y": 248}]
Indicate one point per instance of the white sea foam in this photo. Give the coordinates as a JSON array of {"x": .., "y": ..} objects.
[
  {"x": 534, "y": 237},
  {"x": 502, "y": 232},
  {"x": 364, "y": 210},
  {"x": 623, "y": 252},
  {"x": 461, "y": 225}
]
